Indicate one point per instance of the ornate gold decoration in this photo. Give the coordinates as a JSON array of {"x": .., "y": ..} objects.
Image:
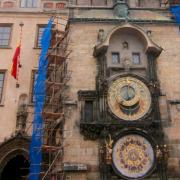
[
  {"x": 109, "y": 146},
  {"x": 133, "y": 156},
  {"x": 129, "y": 98}
]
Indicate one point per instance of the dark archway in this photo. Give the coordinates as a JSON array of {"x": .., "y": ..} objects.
[{"x": 16, "y": 168}]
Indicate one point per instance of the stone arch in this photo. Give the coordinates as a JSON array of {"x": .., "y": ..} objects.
[
  {"x": 150, "y": 46},
  {"x": 11, "y": 148},
  {"x": 11, "y": 154}
]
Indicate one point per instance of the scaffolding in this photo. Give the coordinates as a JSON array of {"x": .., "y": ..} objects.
[{"x": 53, "y": 112}]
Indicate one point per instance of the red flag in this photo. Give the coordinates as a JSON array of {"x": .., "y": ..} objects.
[{"x": 15, "y": 66}]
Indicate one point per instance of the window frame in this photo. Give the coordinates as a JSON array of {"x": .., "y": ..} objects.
[
  {"x": 119, "y": 57},
  {"x": 38, "y": 26},
  {"x": 36, "y": 45},
  {"x": 10, "y": 35},
  {"x": 26, "y": 3},
  {"x": 139, "y": 54}
]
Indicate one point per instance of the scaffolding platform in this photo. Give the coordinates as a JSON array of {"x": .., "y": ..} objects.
[
  {"x": 51, "y": 115},
  {"x": 53, "y": 108}
]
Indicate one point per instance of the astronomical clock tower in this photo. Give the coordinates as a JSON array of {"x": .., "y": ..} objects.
[{"x": 123, "y": 112}]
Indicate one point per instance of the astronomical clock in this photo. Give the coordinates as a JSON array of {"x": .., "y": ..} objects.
[
  {"x": 128, "y": 98},
  {"x": 123, "y": 111}
]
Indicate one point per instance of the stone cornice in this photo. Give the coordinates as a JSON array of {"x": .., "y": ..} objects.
[{"x": 120, "y": 20}]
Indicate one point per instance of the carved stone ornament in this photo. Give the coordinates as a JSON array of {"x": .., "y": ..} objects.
[
  {"x": 101, "y": 35},
  {"x": 127, "y": 63},
  {"x": 90, "y": 131}
]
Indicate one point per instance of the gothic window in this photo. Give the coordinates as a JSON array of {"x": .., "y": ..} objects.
[
  {"x": 115, "y": 58},
  {"x": 5, "y": 33},
  {"x": 28, "y": 3},
  {"x": 136, "y": 58}
]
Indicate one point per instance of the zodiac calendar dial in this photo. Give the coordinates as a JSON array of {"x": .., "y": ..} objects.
[
  {"x": 129, "y": 98},
  {"x": 133, "y": 156}
]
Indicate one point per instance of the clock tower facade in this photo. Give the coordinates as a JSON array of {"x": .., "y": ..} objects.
[{"x": 127, "y": 118}]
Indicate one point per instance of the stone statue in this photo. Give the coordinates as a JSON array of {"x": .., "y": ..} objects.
[
  {"x": 21, "y": 114},
  {"x": 21, "y": 118},
  {"x": 158, "y": 153},
  {"x": 126, "y": 63}
]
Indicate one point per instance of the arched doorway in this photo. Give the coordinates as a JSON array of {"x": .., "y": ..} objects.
[
  {"x": 16, "y": 168},
  {"x": 14, "y": 155}
]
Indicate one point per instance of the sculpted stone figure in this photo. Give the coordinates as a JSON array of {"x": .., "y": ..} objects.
[{"x": 21, "y": 114}]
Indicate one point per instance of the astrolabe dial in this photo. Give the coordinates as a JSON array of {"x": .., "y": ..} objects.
[
  {"x": 129, "y": 98},
  {"x": 133, "y": 156}
]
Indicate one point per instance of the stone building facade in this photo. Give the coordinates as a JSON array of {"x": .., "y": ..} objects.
[
  {"x": 99, "y": 34},
  {"x": 110, "y": 40}
]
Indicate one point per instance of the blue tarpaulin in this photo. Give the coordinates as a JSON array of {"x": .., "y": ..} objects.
[
  {"x": 39, "y": 95},
  {"x": 176, "y": 12}
]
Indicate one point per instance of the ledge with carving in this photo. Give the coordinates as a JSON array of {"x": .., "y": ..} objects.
[{"x": 96, "y": 129}]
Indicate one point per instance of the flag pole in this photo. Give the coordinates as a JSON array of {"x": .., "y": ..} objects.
[{"x": 21, "y": 24}]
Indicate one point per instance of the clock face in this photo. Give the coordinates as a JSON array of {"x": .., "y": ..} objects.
[
  {"x": 133, "y": 156},
  {"x": 129, "y": 98}
]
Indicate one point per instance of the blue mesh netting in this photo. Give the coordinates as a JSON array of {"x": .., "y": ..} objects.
[
  {"x": 39, "y": 94},
  {"x": 176, "y": 12}
]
